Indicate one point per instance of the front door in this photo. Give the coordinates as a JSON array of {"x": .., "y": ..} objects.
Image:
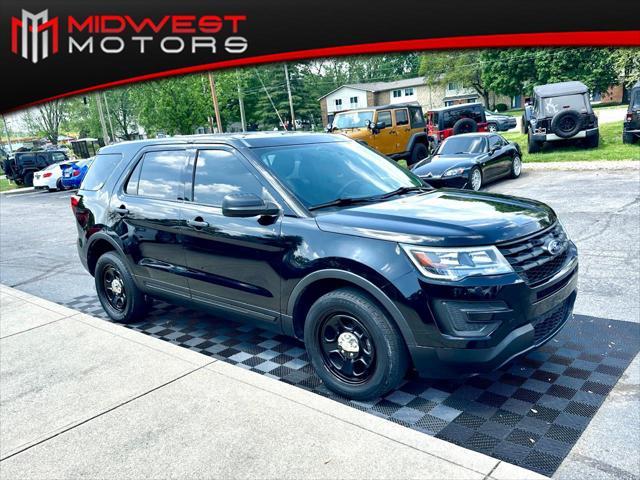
[
  {"x": 233, "y": 262},
  {"x": 499, "y": 161},
  {"x": 147, "y": 213}
]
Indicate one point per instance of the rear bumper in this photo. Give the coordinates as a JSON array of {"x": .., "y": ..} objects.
[{"x": 552, "y": 137}]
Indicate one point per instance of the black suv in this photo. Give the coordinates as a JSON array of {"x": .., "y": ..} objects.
[
  {"x": 23, "y": 165},
  {"x": 560, "y": 111},
  {"x": 321, "y": 238},
  {"x": 631, "y": 127}
]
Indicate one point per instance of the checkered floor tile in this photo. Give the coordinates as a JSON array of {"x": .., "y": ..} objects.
[{"x": 529, "y": 413}]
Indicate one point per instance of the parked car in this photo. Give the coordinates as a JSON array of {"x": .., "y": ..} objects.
[
  {"x": 49, "y": 178},
  {"x": 471, "y": 160},
  {"x": 560, "y": 111},
  {"x": 23, "y": 166},
  {"x": 631, "y": 126},
  {"x": 394, "y": 130},
  {"x": 499, "y": 123},
  {"x": 73, "y": 173},
  {"x": 454, "y": 120},
  {"x": 319, "y": 237}
]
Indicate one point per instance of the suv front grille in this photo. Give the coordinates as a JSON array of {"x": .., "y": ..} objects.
[
  {"x": 531, "y": 259},
  {"x": 545, "y": 325}
]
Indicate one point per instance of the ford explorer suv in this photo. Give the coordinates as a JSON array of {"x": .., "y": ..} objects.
[
  {"x": 560, "y": 111},
  {"x": 321, "y": 238},
  {"x": 398, "y": 130}
]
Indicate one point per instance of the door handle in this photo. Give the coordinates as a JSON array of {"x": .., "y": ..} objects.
[
  {"x": 197, "y": 222},
  {"x": 121, "y": 210}
]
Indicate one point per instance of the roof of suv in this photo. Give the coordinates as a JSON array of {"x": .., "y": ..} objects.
[
  {"x": 561, "y": 88},
  {"x": 250, "y": 140}
]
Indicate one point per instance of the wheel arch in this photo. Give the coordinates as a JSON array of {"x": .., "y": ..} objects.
[
  {"x": 320, "y": 282},
  {"x": 99, "y": 244},
  {"x": 418, "y": 137}
]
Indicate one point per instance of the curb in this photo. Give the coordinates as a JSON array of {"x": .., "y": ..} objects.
[{"x": 18, "y": 191}]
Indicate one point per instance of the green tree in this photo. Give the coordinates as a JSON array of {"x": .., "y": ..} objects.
[
  {"x": 461, "y": 66},
  {"x": 122, "y": 111},
  {"x": 47, "y": 119},
  {"x": 626, "y": 61}
]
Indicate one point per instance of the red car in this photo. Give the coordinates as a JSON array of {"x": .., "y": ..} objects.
[{"x": 453, "y": 120}]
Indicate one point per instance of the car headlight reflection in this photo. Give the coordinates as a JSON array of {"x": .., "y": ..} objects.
[{"x": 453, "y": 172}]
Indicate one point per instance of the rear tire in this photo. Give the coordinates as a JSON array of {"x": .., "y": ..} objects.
[
  {"x": 418, "y": 152},
  {"x": 628, "y": 138},
  {"x": 59, "y": 185},
  {"x": 533, "y": 146},
  {"x": 28, "y": 179},
  {"x": 352, "y": 314},
  {"x": 109, "y": 269}
]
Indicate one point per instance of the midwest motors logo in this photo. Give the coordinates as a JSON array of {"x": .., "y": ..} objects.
[{"x": 36, "y": 36}]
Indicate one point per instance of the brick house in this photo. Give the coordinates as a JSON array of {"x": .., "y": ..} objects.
[{"x": 361, "y": 95}]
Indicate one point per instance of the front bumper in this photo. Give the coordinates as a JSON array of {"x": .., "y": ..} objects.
[
  {"x": 552, "y": 137},
  {"x": 527, "y": 316},
  {"x": 458, "y": 181}
]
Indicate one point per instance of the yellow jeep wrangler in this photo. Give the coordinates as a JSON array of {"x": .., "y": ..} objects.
[{"x": 398, "y": 130}]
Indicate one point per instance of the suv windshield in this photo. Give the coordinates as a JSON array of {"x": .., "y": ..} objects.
[
  {"x": 458, "y": 145},
  {"x": 352, "y": 119},
  {"x": 635, "y": 101},
  {"x": 324, "y": 172},
  {"x": 552, "y": 105}
]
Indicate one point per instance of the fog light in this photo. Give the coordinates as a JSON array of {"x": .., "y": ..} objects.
[{"x": 470, "y": 319}]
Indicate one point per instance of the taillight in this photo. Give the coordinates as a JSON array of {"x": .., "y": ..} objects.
[
  {"x": 75, "y": 201},
  {"x": 47, "y": 175},
  {"x": 629, "y": 117},
  {"x": 76, "y": 173}
]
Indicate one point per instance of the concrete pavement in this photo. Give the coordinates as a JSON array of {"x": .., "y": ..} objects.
[{"x": 80, "y": 397}]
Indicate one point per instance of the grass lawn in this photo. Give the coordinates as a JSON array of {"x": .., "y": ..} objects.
[
  {"x": 611, "y": 147},
  {"x": 6, "y": 185}
]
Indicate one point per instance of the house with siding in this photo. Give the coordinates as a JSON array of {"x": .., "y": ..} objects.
[{"x": 362, "y": 95}]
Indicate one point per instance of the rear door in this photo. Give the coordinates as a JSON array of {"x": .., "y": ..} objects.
[
  {"x": 402, "y": 128},
  {"x": 385, "y": 140},
  {"x": 233, "y": 263},
  {"x": 147, "y": 208}
]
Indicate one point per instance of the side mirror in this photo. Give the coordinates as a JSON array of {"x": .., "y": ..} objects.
[
  {"x": 247, "y": 205},
  {"x": 494, "y": 149},
  {"x": 380, "y": 125}
]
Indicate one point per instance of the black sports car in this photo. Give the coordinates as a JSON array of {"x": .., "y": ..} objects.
[{"x": 470, "y": 160}]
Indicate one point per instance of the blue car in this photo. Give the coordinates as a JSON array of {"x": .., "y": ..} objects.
[{"x": 73, "y": 173}]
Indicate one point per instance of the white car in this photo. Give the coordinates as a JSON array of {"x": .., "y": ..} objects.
[{"x": 50, "y": 177}]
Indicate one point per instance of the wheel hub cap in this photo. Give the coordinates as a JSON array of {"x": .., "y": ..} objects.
[
  {"x": 116, "y": 286},
  {"x": 348, "y": 342}
]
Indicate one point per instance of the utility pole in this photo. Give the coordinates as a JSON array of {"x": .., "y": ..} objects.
[
  {"x": 214, "y": 97},
  {"x": 241, "y": 103},
  {"x": 269, "y": 97},
  {"x": 6, "y": 129},
  {"x": 293, "y": 117},
  {"x": 105, "y": 135},
  {"x": 106, "y": 105}
]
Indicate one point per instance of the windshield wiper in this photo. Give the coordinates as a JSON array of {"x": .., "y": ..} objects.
[
  {"x": 403, "y": 190},
  {"x": 342, "y": 202}
]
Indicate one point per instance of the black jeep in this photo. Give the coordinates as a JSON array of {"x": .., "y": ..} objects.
[
  {"x": 21, "y": 168},
  {"x": 631, "y": 127},
  {"x": 560, "y": 111}
]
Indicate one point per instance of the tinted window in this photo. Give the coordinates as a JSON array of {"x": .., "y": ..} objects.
[
  {"x": 402, "y": 117},
  {"x": 553, "y": 105},
  {"x": 385, "y": 117},
  {"x": 452, "y": 116},
  {"x": 58, "y": 156},
  {"x": 635, "y": 101},
  {"x": 132, "y": 184},
  {"x": 219, "y": 173},
  {"x": 495, "y": 141},
  {"x": 160, "y": 176},
  {"x": 100, "y": 171}
]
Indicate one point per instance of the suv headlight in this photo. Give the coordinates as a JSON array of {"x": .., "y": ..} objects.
[
  {"x": 457, "y": 263},
  {"x": 453, "y": 172}
]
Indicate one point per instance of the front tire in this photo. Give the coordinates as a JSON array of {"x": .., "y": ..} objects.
[
  {"x": 120, "y": 297},
  {"x": 516, "y": 167},
  {"x": 354, "y": 346},
  {"x": 475, "y": 179}
]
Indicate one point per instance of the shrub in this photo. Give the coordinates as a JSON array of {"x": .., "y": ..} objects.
[{"x": 502, "y": 107}]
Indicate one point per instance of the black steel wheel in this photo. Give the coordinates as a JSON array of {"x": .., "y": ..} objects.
[
  {"x": 119, "y": 295},
  {"x": 347, "y": 348},
  {"x": 354, "y": 346}
]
